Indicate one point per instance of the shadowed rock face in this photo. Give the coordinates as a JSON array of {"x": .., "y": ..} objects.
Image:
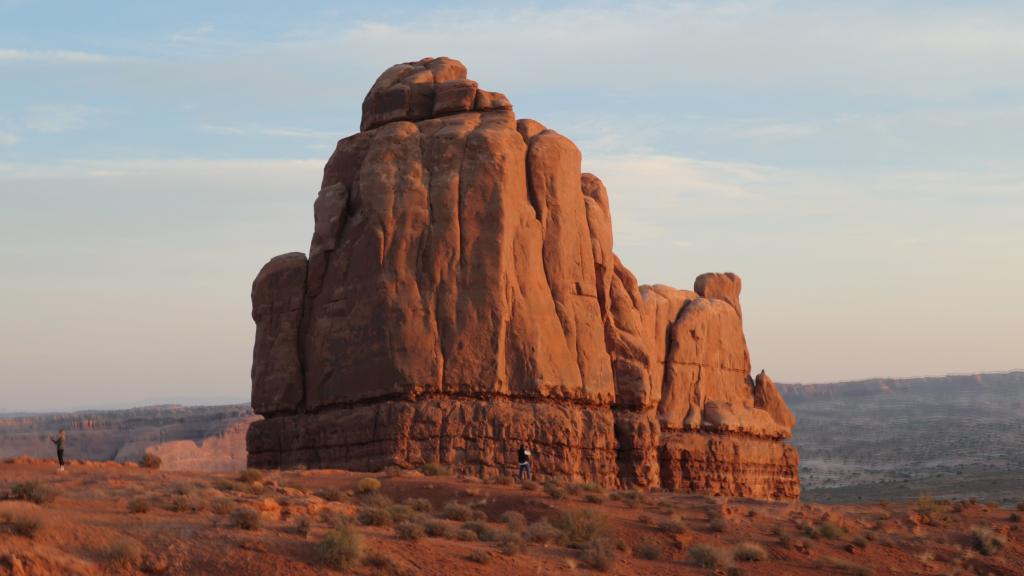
[{"x": 462, "y": 296}]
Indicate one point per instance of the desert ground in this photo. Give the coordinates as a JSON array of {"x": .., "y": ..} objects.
[{"x": 112, "y": 518}]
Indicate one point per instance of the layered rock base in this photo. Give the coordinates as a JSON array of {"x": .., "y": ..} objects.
[{"x": 461, "y": 297}]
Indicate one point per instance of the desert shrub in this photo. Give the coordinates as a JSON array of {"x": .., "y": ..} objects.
[
  {"x": 839, "y": 566},
  {"x": 986, "y": 541},
  {"x": 245, "y": 518},
  {"x": 177, "y": 503},
  {"x": 598, "y": 553},
  {"x": 340, "y": 548},
  {"x": 373, "y": 516},
  {"x": 511, "y": 543},
  {"x": 407, "y": 530},
  {"x": 515, "y": 521},
  {"x": 302, "y": 526},
  {"x": 33, "y": 491},
  {"x": 181, "y": 488},
  {"x": 138, "y": 505},
  {"x": 830, "y": 530},
  {"x": 403, "y": 512},
  {"x": 150, "y": 460},
  {"x": 419, "y": 504},
  {"x": 466, "y": 535},
  {"x": 124, "y": 553},
  {"x": 542, "y": 532},
  {"x": 860, "y": 542},
  {"x": 591, "y": 487},
  {"x": 553, "y": 490},
  {"x": 593, "y": 498},
  {"x": 434, "y": 469},
  {"x": 331, "y": 494},
  {"x": 478, "y": 515},
  {"x": 672, "y": 526},
  {"x": 530, "y": 485},
  {"x": 648, "y": 550},
  {"x": 250, "y": 475},
  {"x": 227, "y": 485},
  {"x": 376, "y": 499},
  {"x": 631, "y": 498},
  {"x": 784, "y": 539},
  {"x": 222, "y": 506},
  {"x": 22, "y": 524},
  {"x": 706, "y": 556},
  {"x": 437, "y": 529},
  {"x": 456, "y": 511},
  {"x": 572, "y": 489},
  {"x": 717, "y": 524},
  {"x": 479, "y": 556},
  {"x": 926, "y": 504},
  {"x": 1014, "y": 517},
  {"x": 582, "y": 526},
  {"x": 482, "y": 530},
  {"x": 749, "y": 552},
  {"x": 368, "y": 485}
]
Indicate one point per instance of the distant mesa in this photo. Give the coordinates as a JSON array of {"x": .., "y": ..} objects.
[{"x": 461, "y": 296}]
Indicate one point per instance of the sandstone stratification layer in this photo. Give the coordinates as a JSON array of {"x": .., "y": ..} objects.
[{"x": 461, "y": 296}]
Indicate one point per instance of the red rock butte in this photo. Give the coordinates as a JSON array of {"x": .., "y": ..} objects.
[{"x": 461, "y": 297}]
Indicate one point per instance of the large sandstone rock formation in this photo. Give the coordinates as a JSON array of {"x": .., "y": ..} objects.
[{"x": 461, "y": 297}]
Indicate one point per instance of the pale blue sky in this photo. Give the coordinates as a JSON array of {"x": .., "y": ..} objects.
[{"x": 859, "y": 165}]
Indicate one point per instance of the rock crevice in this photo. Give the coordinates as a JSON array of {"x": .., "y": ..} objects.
[{"x": 462, "y": 296}]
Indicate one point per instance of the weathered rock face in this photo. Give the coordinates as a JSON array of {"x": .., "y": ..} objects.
[{"x": 462, "y": 296}]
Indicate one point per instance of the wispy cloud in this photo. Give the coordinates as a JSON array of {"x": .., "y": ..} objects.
[
  {"x": 52, "y": 118},
  {"x": 8, "y": 139},
  {"x": 50, "y": 56},
  {"x": 300, "y": 133}
]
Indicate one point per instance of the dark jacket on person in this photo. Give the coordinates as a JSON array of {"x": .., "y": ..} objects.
[{"x": 524, "y": 455}]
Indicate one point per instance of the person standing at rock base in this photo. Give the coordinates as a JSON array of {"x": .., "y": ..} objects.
[
  {"x": 59, "y": 441},
  {"x": 524, "y": 463}
]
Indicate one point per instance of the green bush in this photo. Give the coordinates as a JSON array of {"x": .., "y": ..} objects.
[
  {"x": 542, "y": 532},
  {"x": 672, "y": 526},
  {"x": 481, "y": 529},
  {"x": 434, "y": 469},
  {"x": 986, "y": 541},
  {"x": 22, "y": 524},
  {"x": 839, "y": 566},
  {"x": 582, "y": 526},
  {"x": 245, "y": 518},
  {"x": 222, "y": 506},
  {"x": 830, "y": 530},
  {"x": 33, "y": 491},
  {"x": 593, "y": 498},
  {"x": 419, "y": 504},
  {"x": 511, "y": 543},
  {"x": 530, "y": 485},
  {"x": 138, "y": 505},
  {"x": 438, "y": 529},
  {"x": 373, "y": 516},
  {"x": 466, "y": 535},
  {"x": 718, "y": 524},
  {"x": 302, "y": 526},
  {"x": 479, "y": 556},
  {"x": 403, "y": 512},
  {"x": 250, "y": 475},
  {"x": 1014, "y": 517},
  {"x": 554, "y": 490},
  {"x": 515, "y": 521},
  {"x": 456, "y": 511},
  {"x": 706, "y": 556},
  {"x": 331, "y": 494},
  {"x": 340, "y": 548},
  {"x": 598, "y": 553},
  {"x": 151, "y": 461},
  {"x": 124, "y": 554},
  {"x": 368, "y": 485},
  {"x": 648, "y": 550},
  {"x": 749, "y": 552},
  {"x": 407, "y": 530}
]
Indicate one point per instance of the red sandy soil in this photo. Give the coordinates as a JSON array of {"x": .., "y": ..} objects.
[{"x": 82, "y": 529}]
